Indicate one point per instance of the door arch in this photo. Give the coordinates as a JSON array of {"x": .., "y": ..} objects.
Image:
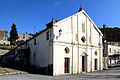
[{"x": 84, "y": 62}]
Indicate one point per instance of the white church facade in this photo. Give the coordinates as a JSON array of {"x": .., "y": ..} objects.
[
  {"x": 77, "y": 45},
  {"x": 69, "y": 46}
]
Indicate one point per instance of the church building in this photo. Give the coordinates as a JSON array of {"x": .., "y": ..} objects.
[{"x": 69, "y": 46}]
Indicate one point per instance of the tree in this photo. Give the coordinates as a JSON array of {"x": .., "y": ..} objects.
[
  {"x": 13, "y": 34},
  {"x": 112, "y": 34}
]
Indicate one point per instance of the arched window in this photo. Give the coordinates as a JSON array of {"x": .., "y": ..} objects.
[
  {"x": 83, "y": 27},
  {"x": 35, "y": 41},
  {"x": 96, "y": 53}
]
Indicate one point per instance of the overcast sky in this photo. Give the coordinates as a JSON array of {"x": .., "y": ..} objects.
[{"x": 29, "y": 13}]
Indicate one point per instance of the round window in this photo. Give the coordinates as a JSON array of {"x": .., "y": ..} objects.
[
  {"x": 83, "y": 39},
  {"x": 67, "y": 50}
]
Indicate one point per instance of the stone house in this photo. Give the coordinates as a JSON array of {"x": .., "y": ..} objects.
[
  {"x": 69, "y": 46},
  {"x": 24, "y": 36},
  {"x": 4, "y": 37}
]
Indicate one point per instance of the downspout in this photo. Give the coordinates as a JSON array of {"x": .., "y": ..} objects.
[
  {"x": 72, "y": 45},
  {"x": 91, "y": 45},
  {"x": 86, "y": 45},
  {"x": 78, "y": 44},
  {"x": 100, "y": 59}
]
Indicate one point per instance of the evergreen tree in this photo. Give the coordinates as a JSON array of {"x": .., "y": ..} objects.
[{"x": 13, "y": 34}]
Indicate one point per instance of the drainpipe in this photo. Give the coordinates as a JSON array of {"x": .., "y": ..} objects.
[
  {"x": 72, "y": 45},
  {"x": 86, "y": 47},
  {"x": 91, "y": 45},
  {"x": 78, "y": 44}
]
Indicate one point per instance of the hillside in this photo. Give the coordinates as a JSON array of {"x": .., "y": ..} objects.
[{"x": 112, "y": 34}]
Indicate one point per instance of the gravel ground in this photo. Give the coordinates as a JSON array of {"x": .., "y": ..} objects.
[{"x": 111, "y": 74}]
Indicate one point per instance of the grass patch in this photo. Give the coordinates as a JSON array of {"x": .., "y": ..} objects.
[
  {"x": 3, "y": 70},
  {"x": 7, "y": 47}
]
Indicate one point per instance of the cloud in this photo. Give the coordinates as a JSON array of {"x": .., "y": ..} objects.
[{"x": 57, "y": 3}]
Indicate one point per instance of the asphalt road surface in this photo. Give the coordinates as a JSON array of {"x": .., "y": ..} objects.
[{"x": 111, "y": 74}]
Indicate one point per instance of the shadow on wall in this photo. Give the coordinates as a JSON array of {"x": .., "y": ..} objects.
[
  {"x": 30, "y": 69},
  {"x": 20, "y": 62}
]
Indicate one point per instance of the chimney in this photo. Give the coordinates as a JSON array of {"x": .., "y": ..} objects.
[{"x": 49, "y": 25}]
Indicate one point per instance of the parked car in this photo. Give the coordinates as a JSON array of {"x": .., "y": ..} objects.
[{"x": 118, "y": 62}]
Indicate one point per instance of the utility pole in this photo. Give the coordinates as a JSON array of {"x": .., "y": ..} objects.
[{"x": 105, "y": 54}]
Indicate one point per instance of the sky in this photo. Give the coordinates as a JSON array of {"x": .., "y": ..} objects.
[{"x": 29, "y": 13}]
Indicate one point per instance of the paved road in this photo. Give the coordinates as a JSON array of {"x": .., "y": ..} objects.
[{"x": 111, "y": 74}]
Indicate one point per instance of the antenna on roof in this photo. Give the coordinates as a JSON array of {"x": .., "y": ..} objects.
[
  {"x": 80, "y": 8},
  {"x": 80, "y": 5},
  {"x": 34, "y": 29}
]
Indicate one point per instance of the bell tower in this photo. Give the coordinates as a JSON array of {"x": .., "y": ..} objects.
[{"x": 80, "y": 8}]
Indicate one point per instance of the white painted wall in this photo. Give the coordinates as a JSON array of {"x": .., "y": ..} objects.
[
  {"x": 115, "y": 50},
  {"x": 4, "y": 42},
  {"x": 52, "y": 51},
  {"x": 41, "y": 53},
  {"x": 70, "y": 27}
]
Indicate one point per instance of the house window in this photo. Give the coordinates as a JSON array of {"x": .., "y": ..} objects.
[
  {"x": 35, "y": 41},
  {"x": 60, "y": 32},
  {"x": 83, "y": 27},
  {"x": 67, "y": 65},
  {"x": 47, "y": 35},
  {"x": 110, "y": 50}
]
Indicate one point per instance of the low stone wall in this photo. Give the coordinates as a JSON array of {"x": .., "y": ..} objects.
[
  {"x": 6, "y": 47},
  {"x": 4, "y": 42}
]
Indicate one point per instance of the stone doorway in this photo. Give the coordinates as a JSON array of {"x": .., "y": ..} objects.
[
  {"x": 67, "y": 65},
  {"x": 96, "y": 62},
  {"x": 84, "y": 63}
]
